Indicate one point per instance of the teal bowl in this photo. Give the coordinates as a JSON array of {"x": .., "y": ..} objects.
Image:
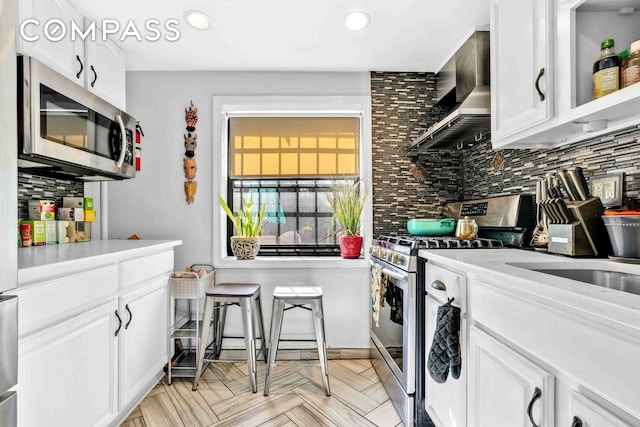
[{"x": 431, "y": 227}]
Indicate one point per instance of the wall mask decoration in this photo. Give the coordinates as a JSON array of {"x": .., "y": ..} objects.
[
  {"x": 190, "y": 144},
  {"x": 190, "y": 168},
  {"x": 189, "y": 161}
]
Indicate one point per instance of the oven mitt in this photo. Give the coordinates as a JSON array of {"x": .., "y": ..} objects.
[
  {"x": 445, "y": 355},
  {"x": 378, "y": 292}
]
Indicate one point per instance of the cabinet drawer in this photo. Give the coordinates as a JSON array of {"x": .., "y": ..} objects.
[
  {"x": 591, "y": 414},
  {"x": 142, "y": 269},
  {"x": 47, "y": 303},
  {"x": 453, "y": 285}
]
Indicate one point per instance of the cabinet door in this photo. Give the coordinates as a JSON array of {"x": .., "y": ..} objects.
[
  {"x": 505, "y": 388},
  {"x": 445, "y": 402},
  {"x": 67, "y": 375},
  {"x": 521, "y": 36},
  {"x": 35, "y": 20},
  {"x": 144, "y": 350},
  {"x": 105, "y": 74}
]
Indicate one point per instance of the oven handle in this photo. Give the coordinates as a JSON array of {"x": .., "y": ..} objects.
[
  {"x": 400, "y": 277},
  {"x": 123, "y": 149}
]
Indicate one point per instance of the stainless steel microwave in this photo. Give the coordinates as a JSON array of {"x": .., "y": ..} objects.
[{"x": 65, "y": 130}]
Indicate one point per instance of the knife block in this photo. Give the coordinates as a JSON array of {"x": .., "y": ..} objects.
[{"x": 586, "y": 235}]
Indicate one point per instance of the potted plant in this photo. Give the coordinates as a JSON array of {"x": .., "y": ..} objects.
[
  {"x": 246, "y": 243},
  {"x": 347, "y": 202}
]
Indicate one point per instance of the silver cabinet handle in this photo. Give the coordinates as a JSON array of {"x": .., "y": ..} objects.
[{"x": 437, "y": 284}]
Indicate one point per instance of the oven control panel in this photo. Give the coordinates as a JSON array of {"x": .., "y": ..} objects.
[{"x": 473, "y": 209}]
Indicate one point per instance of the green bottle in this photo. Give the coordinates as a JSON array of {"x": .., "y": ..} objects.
[{"x": 606, "y": 71}]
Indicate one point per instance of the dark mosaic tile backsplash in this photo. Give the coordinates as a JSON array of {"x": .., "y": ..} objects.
[
  {"x": 37, "y": 187},
  {"x": 401, "y": 110}
]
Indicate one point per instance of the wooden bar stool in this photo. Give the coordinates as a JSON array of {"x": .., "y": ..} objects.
[
  {"x": 218, "y": 298},
  {"x": 297, "y": 297}
]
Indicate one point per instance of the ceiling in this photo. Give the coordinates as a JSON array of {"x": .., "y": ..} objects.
[{"x": 296, "y": 35}]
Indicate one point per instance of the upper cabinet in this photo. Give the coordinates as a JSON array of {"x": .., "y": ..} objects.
[
  {"x": 44, "y": 33},
  {"x": 521, "y": 65},
  {"x": 574, "y": 31}
]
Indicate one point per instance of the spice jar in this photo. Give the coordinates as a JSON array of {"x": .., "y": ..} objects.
[
  {"x": 624, "y": 57},
  {"x": 632, "y": 72},
  {"x": 467, "y": 229}
]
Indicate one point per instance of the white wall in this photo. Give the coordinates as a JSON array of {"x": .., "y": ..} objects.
[{"x": 153, "y": 204}]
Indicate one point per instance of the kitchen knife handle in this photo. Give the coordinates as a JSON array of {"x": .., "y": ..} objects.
[
  {"x": 567, "y": 185},
  {"x": 583, "y": 180},
  {"x": 577, "y": 184}
]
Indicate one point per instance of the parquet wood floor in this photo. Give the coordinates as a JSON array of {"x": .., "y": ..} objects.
[{"x": 296, "y": 398}]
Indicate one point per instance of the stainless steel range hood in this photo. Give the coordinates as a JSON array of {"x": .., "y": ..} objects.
[{"x": 463, "y": 93}]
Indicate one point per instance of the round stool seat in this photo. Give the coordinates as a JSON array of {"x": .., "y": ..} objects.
[{"x": 293, "y": 292}]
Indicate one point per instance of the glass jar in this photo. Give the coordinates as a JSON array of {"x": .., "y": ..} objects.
[
  {"x": 606, "y": 70},
  {"x": 632, "y": 74},
  {"x": 467, "y": 229},
  {"x": 624, "y": 58}
]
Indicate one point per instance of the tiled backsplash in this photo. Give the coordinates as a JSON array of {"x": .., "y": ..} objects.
[
  {"x": 521, "y": 167},
  {"x": 38, "y": 187},
  {"x": 402, "y": 109}
]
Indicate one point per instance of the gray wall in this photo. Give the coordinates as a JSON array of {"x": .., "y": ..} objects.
[{"x": 153, "y": 204}]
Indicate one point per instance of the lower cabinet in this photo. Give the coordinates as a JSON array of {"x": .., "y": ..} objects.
[
  {"x": 67, "y": 376},
  {"x": 505, "y": 388},
  {"x": 586, "y": 413},
  {"x": 101, "y": 351},
  {"x": 143, "y": 352}
]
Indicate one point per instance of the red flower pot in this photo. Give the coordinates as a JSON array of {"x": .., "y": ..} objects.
[{"x": 350, "y": 246}]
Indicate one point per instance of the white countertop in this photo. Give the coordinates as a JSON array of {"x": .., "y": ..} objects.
[
  {"x": 494, "y": 265},
  {"x": 38, "y": 262}
]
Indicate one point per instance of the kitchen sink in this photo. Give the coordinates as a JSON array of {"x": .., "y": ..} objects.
[{"x": 626, "y": 282}]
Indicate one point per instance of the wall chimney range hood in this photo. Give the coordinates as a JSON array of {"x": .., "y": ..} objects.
[{"x": 464, "y": 95}]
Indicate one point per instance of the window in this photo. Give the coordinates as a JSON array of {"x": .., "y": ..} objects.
[{"x": 290, "y": 164}]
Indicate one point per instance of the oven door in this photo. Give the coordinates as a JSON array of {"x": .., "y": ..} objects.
[{"x": 395, "y": 335}]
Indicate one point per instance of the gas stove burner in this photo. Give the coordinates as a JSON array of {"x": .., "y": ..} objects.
[{"x": 453, "y": 243}]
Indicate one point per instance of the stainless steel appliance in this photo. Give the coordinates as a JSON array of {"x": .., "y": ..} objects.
[
  {"x": 8, "y": 215},
  {"x": 510, "y": 219},
  {"x": 397, "y": 344},
  {"x": 462, "y": 89},
  {"x": 66, "y": 130}
]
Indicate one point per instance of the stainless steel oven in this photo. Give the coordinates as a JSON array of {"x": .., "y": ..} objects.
[
  {"x": 69, "y": 129},
  {"x": 394, "y": 335}
]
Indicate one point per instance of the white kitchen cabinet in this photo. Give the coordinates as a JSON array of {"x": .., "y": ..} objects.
[
  {"x": 66, "y": 55},
  {"x": 577, "y": 31},
  {"x": 446, "y": 402},
  {"x": 587, "y": 413},
  {"x": 505, "y": 387},
  {"x": 143, "y": 349},
  {"x": 94, "y": 63},
  {"x": 93, "y": 339},
  {"x": 521, "y": 65},
  {"x": 105, "y": 75},
  {"x": 67, "y": 374}
]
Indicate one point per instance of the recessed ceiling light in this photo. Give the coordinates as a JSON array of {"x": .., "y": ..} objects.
[
  {"x": 355, "y": 21},
  {"x": 197, "y": 19}
]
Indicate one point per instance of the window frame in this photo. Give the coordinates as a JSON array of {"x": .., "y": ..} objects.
[{"x": 225, "y": 107}]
